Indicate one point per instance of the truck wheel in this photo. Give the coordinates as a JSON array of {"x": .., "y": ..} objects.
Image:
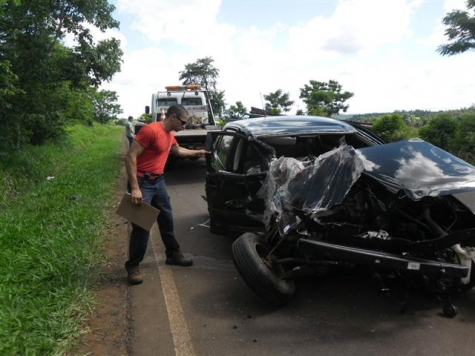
[{"x": 260, "y": 274}]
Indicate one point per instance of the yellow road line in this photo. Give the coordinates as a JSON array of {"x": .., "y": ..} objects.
[{"x": 176, "y": 318}]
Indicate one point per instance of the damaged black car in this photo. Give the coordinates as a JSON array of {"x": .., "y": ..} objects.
[{"x": 305, "y": 194}]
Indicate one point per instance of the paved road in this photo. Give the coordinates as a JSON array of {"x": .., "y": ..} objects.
[{"x": 208, "y": 310}]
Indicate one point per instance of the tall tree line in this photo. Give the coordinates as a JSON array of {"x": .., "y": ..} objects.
[{"x": 44, "y": 84}]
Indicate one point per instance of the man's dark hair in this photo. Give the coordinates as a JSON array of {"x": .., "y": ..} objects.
[
  {"x": 177, "y": 109},
  {"x": 130, "y": 118}
]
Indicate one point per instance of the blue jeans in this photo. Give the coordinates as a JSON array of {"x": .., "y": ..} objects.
[{"x": 154, "y": 193}]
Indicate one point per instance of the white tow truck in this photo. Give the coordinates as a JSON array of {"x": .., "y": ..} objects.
[{"x": 196, "y": 102}]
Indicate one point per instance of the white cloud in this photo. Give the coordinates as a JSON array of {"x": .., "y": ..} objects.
[
  {"x": 184, "y": 22},
  {"x": 365, "y": 45},
  {"x": 371, "y": 23},
  {"x": 141, "y": 75},
  {"x": 451, "y": 5}
]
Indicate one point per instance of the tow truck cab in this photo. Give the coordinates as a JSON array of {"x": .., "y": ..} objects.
[
  {"x": 196, "y": 101},
  {"x": 192, "y": 97}
]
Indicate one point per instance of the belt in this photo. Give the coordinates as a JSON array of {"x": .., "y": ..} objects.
[{"x": 149, "y": 176}]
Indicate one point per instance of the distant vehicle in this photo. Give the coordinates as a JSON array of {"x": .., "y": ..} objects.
[
  {"x": 196, "y": 102},
  {"x": 308, "y": 194}
]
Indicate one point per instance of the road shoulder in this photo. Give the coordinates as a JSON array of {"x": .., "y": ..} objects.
[{"x": 107, "y": 328}]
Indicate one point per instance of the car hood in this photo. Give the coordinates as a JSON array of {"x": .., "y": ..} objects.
[{"x": 418, "y": 168}]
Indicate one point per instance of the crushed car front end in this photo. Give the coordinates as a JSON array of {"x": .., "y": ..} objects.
[{"x": 405, "y": 207}]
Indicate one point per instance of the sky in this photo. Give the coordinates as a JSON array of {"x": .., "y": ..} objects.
[{"x": 384, "y": 52}]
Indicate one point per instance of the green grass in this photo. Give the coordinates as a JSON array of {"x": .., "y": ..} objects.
[{"x": 51, "y": 233}]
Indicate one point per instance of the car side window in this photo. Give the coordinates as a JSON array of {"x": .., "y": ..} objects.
[
  {"x": 222, "y": 152},
  {"x": 251, "y": 160}
]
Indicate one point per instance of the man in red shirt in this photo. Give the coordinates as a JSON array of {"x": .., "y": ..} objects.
[{"x": 145, "y": 165}]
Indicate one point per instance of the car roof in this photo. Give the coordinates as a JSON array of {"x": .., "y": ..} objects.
[{"x": 289, "y": 125}]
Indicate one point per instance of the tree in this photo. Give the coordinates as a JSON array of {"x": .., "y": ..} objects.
[
  {"x": 460, "y": 31},
  {"x": 79, "y": 106},
  {"x": 391, "y": 127},
  {"x": 412, "y": 120},
  {"x": 463, "y": 142},
  {"x": 202, "y": 72},
  {"x": 218, "y": 103},
  {"x": 33, "y": 42},
  {"x": 236, "y": 112},
  {"x": 44, "y": 70},
  {"x": 278, "y": 102},
  {"x": 439, "y": 131},
  {"x": 105, "y": 106},
  {"x": 324, "y": 99},
  {"x": 8, "y": 87}
]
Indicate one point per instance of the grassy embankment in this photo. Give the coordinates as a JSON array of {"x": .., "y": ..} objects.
[{"x": 52, "y": 234}]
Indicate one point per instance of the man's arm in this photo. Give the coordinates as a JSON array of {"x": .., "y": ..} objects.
[
  {"x": 182, "y": 152},
  {"x": 135, "y": 150}
]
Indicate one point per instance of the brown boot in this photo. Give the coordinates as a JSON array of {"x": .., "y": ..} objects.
[
  {"x": 134, "y": 276},
  {"x": 177, "y": 258}
]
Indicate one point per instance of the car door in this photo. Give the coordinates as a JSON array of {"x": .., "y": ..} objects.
[{"x": 231, "y": 191}]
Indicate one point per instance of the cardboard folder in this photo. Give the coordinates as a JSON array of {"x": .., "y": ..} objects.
[{"x": 144, "y": 215}]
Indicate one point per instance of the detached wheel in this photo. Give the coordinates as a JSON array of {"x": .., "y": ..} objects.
[
  {"x": 464, "y": 288},
  {"x": 259, "y": 272}
]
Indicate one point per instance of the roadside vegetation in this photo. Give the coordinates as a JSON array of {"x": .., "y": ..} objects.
[
  {"x": 453, "y": 131},
  {"x": 54, "y": 207},
  {"x": 51, "y": 68}
]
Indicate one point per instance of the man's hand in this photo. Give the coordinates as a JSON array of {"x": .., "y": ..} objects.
[
  {"x": 136, "y": 196},
  {"x": 201, "y": 153},
  {"x": 187, "y": 153}
]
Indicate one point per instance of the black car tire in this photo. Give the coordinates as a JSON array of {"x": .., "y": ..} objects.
[{"x": 247, "y": 251}]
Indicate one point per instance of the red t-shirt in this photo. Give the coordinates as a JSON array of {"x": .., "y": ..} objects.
[{"x": 157, "y": 142}]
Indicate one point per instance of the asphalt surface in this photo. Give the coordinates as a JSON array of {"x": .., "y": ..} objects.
[{"x": 207, "y": 309}]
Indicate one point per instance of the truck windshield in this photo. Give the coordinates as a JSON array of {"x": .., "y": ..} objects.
[
  {"x": 166, "y": 102},
  {"x": 191, "y": 101}
]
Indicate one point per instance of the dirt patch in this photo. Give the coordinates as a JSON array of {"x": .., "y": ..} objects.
[{"x": 107, "y": 326}]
